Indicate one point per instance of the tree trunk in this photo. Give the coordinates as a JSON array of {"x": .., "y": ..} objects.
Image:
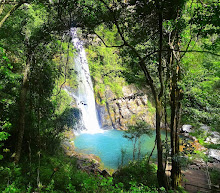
[
  {"x": 175, "y": 115},
  {"x": 175, "y": 98},
  {"x": 134, "y": 151},
  {"x": 22, "y": 107},
  {"x": 173, "y": 140},
  {"x": 161, "y": 175}
]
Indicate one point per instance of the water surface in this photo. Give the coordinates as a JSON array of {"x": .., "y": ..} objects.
[{"x": 108, "y": 146}]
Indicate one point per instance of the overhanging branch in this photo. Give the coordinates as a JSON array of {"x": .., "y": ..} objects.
[
  {"x": 113, "y": 46},
  {"x": 148, "y": 55},
  {"x": 203, "y": 51},
  {"x": 11, "y": 11},
  {"x": 198, "y": 51},
  {"x": 141, "y": 63}
]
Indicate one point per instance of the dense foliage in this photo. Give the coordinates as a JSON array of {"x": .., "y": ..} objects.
[
  {"x": 169, "y": 47},
  {"x": 201, "y": 68}
]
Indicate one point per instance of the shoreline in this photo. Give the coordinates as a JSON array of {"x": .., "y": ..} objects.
[
  {"x": 93, "y": 163},
  {"x": 89, "y": 163}
]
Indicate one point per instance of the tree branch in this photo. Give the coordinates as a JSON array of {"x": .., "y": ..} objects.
[
  {"x": 160, "y": 69},
  {"x": 145, "y": 57},
  {"x": 155, "y": 142},
  {"x": 141, "y": 63},
  {"x": 119, "y": 46},
  {"x": 198, "y": 51},
  {"x": 191, "y": 37},
  {"x": 12, "y": 10},
  {"x": 203, "y": 51},
  {"x": 115, "y": 21},
  {"x": 1, "y": 8}
]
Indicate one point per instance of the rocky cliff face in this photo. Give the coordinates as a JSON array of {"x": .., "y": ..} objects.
[{"x": 123, "y": 111}]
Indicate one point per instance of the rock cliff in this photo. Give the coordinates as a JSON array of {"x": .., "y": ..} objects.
[{"x": 120, "y": 112}]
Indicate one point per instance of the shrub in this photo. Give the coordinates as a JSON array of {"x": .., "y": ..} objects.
[{"x": 139, "y": 172}]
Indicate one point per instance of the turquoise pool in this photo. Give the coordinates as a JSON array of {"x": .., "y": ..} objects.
[{"x": 108, "y": 146}]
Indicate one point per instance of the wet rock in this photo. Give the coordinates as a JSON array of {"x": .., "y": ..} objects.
[
  {"x": 107, "y": 128},
  {"x": 103, "y": 116}
]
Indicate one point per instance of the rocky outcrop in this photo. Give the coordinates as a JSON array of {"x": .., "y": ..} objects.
[
  {"x": 214, "y": 153},
  {"x": 213, "y": 137},
  {"x": 118, "y": 112}
]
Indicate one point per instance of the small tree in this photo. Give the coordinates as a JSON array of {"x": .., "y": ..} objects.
[{"x": 134, "y": 133}]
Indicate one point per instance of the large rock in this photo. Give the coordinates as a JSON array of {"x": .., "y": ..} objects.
[
  {"x": 213, "y": 138},
  {"x": 214, "y": 153},
  {"x": 186, "y": 129}
]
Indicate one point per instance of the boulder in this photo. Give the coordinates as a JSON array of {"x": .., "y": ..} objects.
[
  {"x": 214, "y": 165},
  {"x": 214, "y": 153},
  {"x": 186, "y": 129},
  {"x": 213, "y": 138}
]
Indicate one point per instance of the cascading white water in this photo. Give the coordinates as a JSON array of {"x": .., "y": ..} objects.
[{"x": 85, "y": 96}]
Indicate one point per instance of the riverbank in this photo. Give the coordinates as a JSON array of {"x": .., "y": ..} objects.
[{"x": 89, "y": 163}]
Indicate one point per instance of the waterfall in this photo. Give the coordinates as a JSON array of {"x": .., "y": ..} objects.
[{"x": 84, "y": 96}]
